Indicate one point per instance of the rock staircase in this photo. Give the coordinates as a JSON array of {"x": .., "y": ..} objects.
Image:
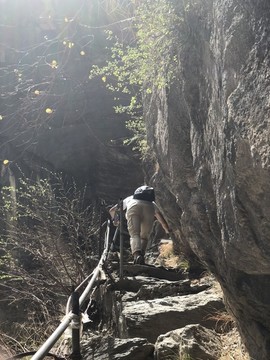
[{"x": 154, "y": 313}]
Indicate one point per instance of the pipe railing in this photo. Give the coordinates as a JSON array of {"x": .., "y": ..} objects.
[{"x": 49, "y": 343}]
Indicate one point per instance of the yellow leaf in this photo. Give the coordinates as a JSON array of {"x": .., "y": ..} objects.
[
  {"x": 1, "y": 117},
  {"x": 82, "y": 53},
  {"x": 54, "y": 64},
  {"x": 5, "y": 162},
  {"x": 64, "y": 43},
  {"x": 37, "y": 92},
  {"x": 70, "y": 44},
  {"x": 103, "y": 78},
  {"x": 49, "y": 111}
]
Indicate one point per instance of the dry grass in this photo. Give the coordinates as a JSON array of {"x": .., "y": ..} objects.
[
  {"x": 232, "y": 347},
  {"x": 224, "y": 321},
  {"x": 4, "y": 352},
  {"x": 168, "y": 259}
]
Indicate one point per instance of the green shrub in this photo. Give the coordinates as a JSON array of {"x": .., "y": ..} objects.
[{"x": 146, "y": 61}]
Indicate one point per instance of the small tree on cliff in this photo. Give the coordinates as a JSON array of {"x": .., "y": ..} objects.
[{"x": 141, "y": 61}]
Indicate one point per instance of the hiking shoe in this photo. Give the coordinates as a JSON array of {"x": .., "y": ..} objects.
[{"x": 139, "y": 260}]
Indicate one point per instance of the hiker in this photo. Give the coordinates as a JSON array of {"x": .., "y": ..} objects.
[{"x": 141, "y": 211}]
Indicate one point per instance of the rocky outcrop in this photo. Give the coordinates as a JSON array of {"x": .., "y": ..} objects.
[{"x": 214, "y": 159}]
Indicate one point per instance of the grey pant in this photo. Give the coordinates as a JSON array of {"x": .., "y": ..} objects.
[{"x": 140, "y": 219}]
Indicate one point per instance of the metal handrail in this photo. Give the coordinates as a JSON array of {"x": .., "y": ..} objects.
[{"x": 46, "y": 347}]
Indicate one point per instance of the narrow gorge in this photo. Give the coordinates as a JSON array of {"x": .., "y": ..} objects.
[{"x": 204, "y": 147}]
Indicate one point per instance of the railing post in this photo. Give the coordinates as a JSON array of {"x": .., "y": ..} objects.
[
  {"x": 75, "y": 326},
  {"x": 100, "y": 234},
  {"x": 121, "y": 238}
]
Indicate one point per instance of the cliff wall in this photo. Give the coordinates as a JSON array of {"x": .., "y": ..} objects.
[{"x": 210, "y": 133}]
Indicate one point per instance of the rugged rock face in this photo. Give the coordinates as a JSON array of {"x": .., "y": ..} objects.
[{"x": 213, "y": 156}]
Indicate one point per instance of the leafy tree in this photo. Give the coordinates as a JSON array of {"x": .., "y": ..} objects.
[{"x": 147, "y": 60}]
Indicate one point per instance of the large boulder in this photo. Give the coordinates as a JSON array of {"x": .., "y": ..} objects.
[
  {"x": 216, "y": 149},
  {"x": 192, "y": 341}
]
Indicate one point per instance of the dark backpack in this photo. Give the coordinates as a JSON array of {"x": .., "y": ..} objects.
[{"x": 145, "y": 193}]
